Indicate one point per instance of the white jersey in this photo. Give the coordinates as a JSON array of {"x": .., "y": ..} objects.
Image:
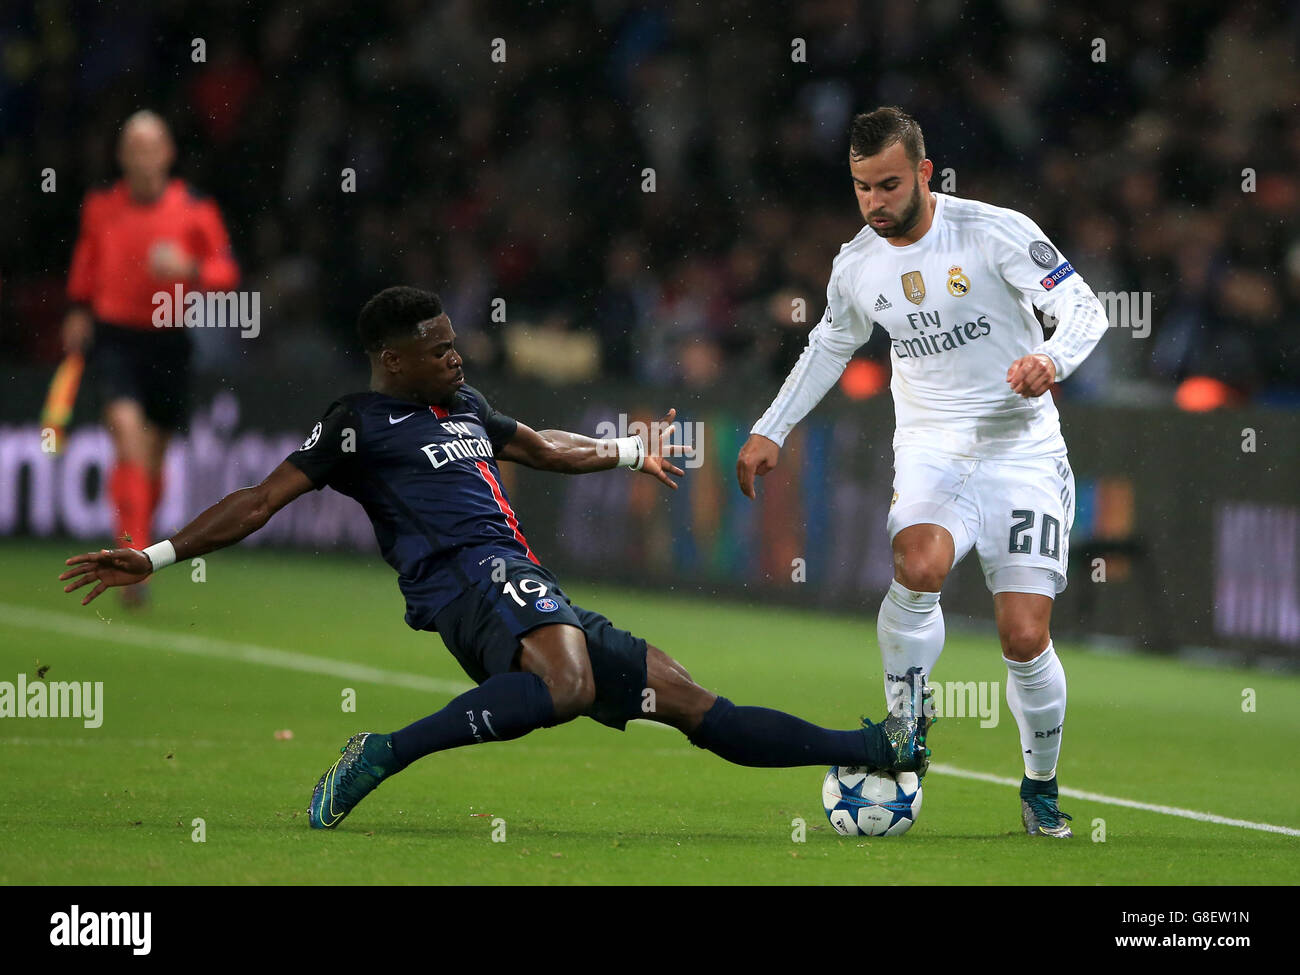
[{"x": 958, "y": 307}]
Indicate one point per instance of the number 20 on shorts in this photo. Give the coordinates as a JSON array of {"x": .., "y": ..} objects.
[{"x": 1022, "y": 539}]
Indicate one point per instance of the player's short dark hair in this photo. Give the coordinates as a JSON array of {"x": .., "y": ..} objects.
[
  {"x": 393, "y": 314},
  {"x": 873, "y": 132}
]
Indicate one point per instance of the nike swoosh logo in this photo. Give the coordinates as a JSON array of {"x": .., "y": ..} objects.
[
  {"x": 329, "y": 794},
  {"x": 486, "y": 716},
  {"x": 400, "y": 418}
]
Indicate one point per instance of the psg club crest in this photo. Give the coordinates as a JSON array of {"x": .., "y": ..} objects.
[
  {"x": 546, "y": 605},
  {"x": 958, "y": 283},
  {"x": 914, "y": 287}
]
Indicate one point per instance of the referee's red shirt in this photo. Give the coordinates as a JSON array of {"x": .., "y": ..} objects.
[{"x": 110, "y": 263}]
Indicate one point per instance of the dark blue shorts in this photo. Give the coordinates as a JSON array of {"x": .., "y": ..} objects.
[{"x": 482, "y": 627}]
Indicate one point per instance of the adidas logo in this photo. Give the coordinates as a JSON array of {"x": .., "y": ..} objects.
[{"x": 882, "y": 303}]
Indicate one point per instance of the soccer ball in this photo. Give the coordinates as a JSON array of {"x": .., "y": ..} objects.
[{"x": 865, "y": 802}]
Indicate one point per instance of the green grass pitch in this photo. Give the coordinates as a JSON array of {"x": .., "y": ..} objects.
[{"x": 191, "y": 735}]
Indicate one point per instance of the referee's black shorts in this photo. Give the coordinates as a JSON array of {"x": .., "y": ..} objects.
[
  {"x": 150, "y": 366},
  {"x": 482, "y": 627}
]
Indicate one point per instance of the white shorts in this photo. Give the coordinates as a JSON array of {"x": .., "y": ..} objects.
[{"x": 1015, "y": 513}]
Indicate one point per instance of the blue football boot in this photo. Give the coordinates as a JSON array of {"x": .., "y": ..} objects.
[
  {"x": 367, "y": 759},
  {"x": 1039, "y": 811},
  {"x": 909, "y": 721}
]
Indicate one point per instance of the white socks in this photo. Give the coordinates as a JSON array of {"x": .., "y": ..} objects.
[
  {"x": 910, "y": 631},
  {"x": 1036, "y": 696}
]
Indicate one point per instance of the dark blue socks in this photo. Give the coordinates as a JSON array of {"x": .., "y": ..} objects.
[
  {"x": 762, "y": 738},
  {"x": 509, "y": 706},
  {"x": 501, "y": 708}
]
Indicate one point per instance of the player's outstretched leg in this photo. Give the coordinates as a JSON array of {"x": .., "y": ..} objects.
[
  {"x": 764, "y": 738},
  {"x": 502, "y": 708},
  {"x": 554, "y": 686}
]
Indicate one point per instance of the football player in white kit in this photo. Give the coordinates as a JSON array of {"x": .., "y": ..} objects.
[{"x": 979, "y": 461}]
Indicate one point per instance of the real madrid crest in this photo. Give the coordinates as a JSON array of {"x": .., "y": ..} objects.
[
  {"x": 914, "y": 287},
  {"x": 958, "y": 283}
]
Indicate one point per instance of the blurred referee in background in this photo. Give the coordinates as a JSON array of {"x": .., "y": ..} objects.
[{"x": 143, "y": 235}]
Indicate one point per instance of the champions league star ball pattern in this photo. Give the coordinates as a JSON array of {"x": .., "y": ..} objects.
[{"x": 864, "y": 802}]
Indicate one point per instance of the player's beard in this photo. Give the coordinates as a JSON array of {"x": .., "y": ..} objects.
[{"x": 907, "y": 220}]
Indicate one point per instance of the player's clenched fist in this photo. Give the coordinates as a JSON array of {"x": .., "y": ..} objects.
[
  {"x": 1032, "y": 375},
  {"x": 757, "y": 457}
]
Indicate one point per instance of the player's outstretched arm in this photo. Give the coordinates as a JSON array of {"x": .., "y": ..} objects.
[
  {"x": 573, "y": 453},
  {"x": 233, "y": 518}
]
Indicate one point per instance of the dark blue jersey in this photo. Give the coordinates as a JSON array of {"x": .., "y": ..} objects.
[{"x": 428, "y": 480}]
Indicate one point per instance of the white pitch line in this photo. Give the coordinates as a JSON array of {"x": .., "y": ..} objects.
[
  {"x": 203, "y": 646},
  {"x": 962, "y": 773}
]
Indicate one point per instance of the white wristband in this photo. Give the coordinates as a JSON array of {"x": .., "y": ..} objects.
[
  {"x": 161, "y": 554},
  {"x": 631, "y": 452}
]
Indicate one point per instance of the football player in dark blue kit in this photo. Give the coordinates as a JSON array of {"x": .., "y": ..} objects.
[{"x": 419, "y": 452}]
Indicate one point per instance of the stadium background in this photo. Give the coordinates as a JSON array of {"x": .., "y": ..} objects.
[{"x": 523, "y": 180}]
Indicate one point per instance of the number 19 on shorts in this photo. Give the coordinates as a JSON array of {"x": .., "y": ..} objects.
[{"x": 529, "y": 587}]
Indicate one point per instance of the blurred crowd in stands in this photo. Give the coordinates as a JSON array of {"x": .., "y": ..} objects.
[{"x": 647, "y": 190}]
